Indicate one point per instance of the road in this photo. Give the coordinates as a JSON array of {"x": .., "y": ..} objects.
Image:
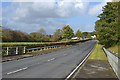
[{"x": 53, "y": 65}]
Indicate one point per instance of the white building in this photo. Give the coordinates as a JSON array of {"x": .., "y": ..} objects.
[
  {"x": 94, "y": 36},
  {"x": 74, "y": 38}
]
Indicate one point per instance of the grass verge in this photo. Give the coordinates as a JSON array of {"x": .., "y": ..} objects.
[
  {"x": 114, "y": 49},
  {"x": 98, "y": 53}
]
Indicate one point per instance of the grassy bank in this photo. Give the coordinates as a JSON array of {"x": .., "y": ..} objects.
[
  {"x": 114, "y": 49},
  {"x": 98, "y": 53}
]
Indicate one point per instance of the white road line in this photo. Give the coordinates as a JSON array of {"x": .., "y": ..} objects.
[
  {"x": 17, "y": 70},
  {"x": 51, "y": 59},
  {"x": 65, "y": 54},
  {"x": 78, "y": 66}
]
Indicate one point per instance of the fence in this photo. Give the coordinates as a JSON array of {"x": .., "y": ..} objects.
[
  {"x": 7, "y": 51},
  {"x": 114, "y": 60},
  {"x": 43, "y": 48}
]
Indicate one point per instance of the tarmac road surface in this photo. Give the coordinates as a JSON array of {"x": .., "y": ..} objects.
[{"x": 53, "y": 65}]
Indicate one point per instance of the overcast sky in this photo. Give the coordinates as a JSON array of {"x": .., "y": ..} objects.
[{"x": 30, "y": 16}]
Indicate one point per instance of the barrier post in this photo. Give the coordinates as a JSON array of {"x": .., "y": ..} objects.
[
  {"x": 7, "y": 51},
  {"x": 16, "y": 50},
  {"x": 24, "y": 49}
]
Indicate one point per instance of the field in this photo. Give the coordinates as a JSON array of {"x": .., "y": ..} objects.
[
  {"x": 38, "y": 44},
  {"x": 29, "y": 44},
  {"x": 8, "y": 43},
  {"x": 98, "y": 53},
  {"x": 66, "y": 40}
]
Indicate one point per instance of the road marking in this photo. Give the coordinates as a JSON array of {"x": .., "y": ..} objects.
[
  {"x": 51, "y": 59},
  {"x": 65, "y": 54},
  {"x": 78, "y": 65},
  {"x": 17, "y": 70}
]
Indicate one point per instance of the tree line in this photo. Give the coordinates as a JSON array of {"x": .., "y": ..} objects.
[
  {"x": 108, "y": 26},
  {"x": 66, "y": 32}
]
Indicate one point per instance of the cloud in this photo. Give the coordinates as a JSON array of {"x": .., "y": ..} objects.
[
  {"x": 31, "y": 16},
  {"x": 51, "y": 0},
  {"x": 97, "y": 9},
  {"x": 0, "y": 14}
]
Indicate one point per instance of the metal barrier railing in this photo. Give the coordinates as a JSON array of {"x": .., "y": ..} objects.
[
  {"x": 114, "y": 61},
  {"x": 7, "y": 51},
  {"x": 43, "y": 48}
]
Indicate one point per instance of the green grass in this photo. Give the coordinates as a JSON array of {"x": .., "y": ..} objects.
[
  {"x": 114, "y": 49},
  {"x": 29, "y": 44},
  {"x": 67, "y": 40},
  {"x": 64, "y": 40},
  {"x": 38, "y": 44},
  {"x": 98, "y": 53},
  {"x": 23, "y": 42}
]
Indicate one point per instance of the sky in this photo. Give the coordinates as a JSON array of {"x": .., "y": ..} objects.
[{"x": 31, "y": 15}]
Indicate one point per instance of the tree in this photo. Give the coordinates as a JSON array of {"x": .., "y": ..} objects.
[
  {"x": 67, "y": 32},
  {"x": 0, "y": 33},
  {"x": 93, "y": 33},
  {"x": 9, "y": 35},
  {"x": 115, "y": 0},
  {"x": 86, "y": 34},
  {"x": 6, "y": 34},
  {"x": 57, "y": 35},
  {"x": 42, "y": 31},
  {"x": 89, "y": 35},
  {"x": 107, "y": 27},
  {"x": 79, "y": 34},
  {"x": 37, "y": 36},
  {"x": 46, "y": 38}
]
